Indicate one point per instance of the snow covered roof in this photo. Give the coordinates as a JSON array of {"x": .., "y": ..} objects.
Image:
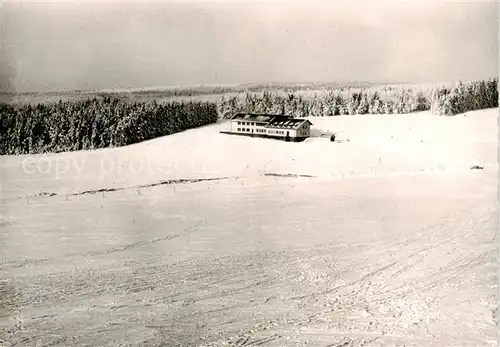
[
  {"x": 259, "y": 117},
  {"x": 273, "y": 120},
  {"x": 291, "y": 123}
]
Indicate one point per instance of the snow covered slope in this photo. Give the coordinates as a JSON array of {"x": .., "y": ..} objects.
[
  {"x": 388, "y": 239},
  {"x": 378, "y": 145}
]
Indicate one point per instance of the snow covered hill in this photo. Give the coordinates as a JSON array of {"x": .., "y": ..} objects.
[
  {"x": 378, "y": 145},
  {"x": 205, "y": 239}
]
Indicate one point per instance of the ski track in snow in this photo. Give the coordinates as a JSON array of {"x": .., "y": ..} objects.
[
  {"x": 275, "y": 258},
  {"x": 108, "y": 190}
]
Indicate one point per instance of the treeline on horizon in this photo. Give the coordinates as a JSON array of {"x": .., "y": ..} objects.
[
  {"x": 95, "y": 123},
  {"x": 202, "y": 89},
  {"x": 387, "y": 100}
]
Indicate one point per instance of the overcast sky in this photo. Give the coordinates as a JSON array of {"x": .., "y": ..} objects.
[{"x": 61, "y": 46}]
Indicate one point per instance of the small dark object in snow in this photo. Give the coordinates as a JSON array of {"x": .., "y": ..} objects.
[
  {"x": 46, "y": 194},
  {"x": 477, "y": 167},
  {"x": 332, "y": 138}
]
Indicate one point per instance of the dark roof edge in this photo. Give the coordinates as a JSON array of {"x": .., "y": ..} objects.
[
  {"x": 263, "y": 114},
  {"x": 272, "y": 116}
]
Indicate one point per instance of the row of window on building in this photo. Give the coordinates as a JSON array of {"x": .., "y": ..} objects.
[
  {"x": 277, "y": 132},
  {"x": 260, "y": 131},
  {"x": 280, "y": 132},
  {"x": 250, "y": 123}
]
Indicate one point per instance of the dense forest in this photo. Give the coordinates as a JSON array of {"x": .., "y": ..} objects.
[{"x": 95, "y": 123}]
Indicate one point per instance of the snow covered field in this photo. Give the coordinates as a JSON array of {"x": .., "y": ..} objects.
[{"x": 387, "y": 239}]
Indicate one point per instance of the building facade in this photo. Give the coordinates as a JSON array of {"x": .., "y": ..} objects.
[{"x": 269, "y": 126}]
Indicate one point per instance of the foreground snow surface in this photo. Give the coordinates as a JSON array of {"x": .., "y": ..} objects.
[{"x": 388, "y": 239}]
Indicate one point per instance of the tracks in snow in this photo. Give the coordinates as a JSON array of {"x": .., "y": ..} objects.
[
  {"x": 190, "y": 230},
  {"x": 196, "y": 180},
  {"x": 281, "y": 293},
  {"x": 395, "y": 294},
  {"x": 160, "y": 183},
  {"x": 156, "y": 184}
]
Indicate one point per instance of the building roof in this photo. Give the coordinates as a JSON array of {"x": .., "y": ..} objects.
[
  {"x": 273, "y": 120},
  {"x": 258, "y": 117},
  {"x": 291, "y": 123}
]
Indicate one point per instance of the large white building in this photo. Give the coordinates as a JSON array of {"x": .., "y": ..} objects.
[{"x": 271, "y": 126}]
